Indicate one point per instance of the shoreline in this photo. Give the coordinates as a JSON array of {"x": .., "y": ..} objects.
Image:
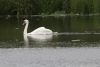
[{"x": 50, "y": 15}]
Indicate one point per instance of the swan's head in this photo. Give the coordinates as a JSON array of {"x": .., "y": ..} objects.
[{"x": 25, "y": 22}]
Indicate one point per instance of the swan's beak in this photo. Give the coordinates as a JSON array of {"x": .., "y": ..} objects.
[{"x": 23, "y": 23}]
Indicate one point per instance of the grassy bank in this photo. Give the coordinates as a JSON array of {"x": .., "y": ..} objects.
[{"x": 49, "y": 7}]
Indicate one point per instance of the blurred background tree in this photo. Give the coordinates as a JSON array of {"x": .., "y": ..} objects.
[{"x": 35, "y": 7}]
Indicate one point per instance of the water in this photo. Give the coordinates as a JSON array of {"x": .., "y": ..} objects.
[
  {"x": 75, "y": 45},
  {"x": 50, "y": 57}
]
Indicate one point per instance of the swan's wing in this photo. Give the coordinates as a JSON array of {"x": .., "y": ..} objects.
[{"x": 35, "y": 31}]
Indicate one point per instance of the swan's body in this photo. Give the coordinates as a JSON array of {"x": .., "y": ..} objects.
[{"x": 40, "y": 30}]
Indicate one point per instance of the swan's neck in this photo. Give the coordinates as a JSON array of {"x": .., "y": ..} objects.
[{"x": 25, "y": 29}]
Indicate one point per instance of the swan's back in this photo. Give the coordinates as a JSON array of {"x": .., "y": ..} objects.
[{"x": 41, "y": 30}]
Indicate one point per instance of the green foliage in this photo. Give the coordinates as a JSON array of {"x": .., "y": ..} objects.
[
  {"x": 96, "y": 4},
  {"x": 67, "y": 6},
  {"x": 14, "y": 7},
  {"x": 34, "y": 7},
  {"x": 47, "y": 6}
]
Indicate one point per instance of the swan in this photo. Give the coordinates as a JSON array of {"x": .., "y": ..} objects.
[{"x": 40, "y": 30}]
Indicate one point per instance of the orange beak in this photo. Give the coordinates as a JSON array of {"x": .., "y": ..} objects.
[{"x": 23, "y": 23}]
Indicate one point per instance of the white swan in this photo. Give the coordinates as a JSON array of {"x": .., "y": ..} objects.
[{"x": 40, "y": 30}]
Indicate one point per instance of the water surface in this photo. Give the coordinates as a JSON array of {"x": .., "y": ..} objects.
[
  {"x": 75, "y": 29},
  {"x": 75, "y": 45},
  {"x": 50, "y": 57}
]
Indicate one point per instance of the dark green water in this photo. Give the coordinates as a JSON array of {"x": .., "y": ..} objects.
[{"x": 73, "y": 31}]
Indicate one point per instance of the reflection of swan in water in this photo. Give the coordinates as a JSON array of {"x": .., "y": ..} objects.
[
  {"x": 40, "y": 30},
  {"x": 40, "y": 37},
  {"x": 36, "y": 39},
  {"x": 26, "y": 41}
]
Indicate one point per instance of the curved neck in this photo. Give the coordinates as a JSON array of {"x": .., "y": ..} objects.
[{"x": 25, "y": 29}]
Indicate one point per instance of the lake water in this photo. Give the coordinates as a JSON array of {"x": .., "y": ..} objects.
[{"x": 77, "y": 43}]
